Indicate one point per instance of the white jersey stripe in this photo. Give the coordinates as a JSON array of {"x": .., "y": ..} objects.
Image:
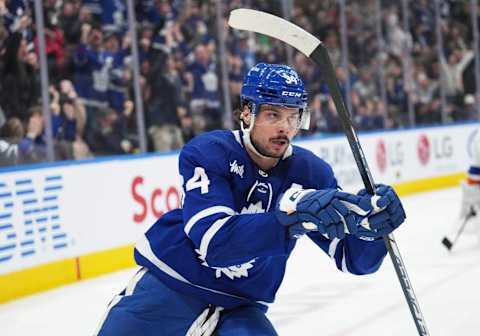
[
  {"x": 344, "y": 262},
  {"x": 207, "y": 237},
  {"x": 332, "y": 248},
  {"x": 144, "y": 248},
  {"x": 205, "y": 213},
  {"x": 128, "y": 291},
  {"x": 236, "y": 134}
]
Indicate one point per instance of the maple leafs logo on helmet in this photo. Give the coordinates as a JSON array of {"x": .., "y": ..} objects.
[{"x": 289, "y": 78}]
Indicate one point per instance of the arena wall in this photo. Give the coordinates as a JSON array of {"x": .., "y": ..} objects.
[{"x": 68, "y": 221}]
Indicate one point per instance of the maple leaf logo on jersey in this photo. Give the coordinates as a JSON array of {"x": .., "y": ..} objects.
[
  {"x": 236, "y": 168},
  {"x": 232, "y": 272},
  {"x": 236, "y": 271},
  {"x": 253, "y": 208}
]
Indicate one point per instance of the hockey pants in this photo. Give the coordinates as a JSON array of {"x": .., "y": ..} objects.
[{"x": 149, "y": 308}]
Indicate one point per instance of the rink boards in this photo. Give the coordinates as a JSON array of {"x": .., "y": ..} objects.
[{"x": 68, "y": 221}]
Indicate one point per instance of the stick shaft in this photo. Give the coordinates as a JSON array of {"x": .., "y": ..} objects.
[
  {"x": 322, "y": 59},
  {"x": 310, "y": 46}
]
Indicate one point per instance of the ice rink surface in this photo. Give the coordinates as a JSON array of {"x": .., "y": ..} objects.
[{"x": 315, "y": 298}]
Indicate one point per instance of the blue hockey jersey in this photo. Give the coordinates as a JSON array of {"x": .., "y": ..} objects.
[{"x": 225, "y": 245}]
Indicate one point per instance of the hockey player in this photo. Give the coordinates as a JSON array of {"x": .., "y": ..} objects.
[
  {"x": 214, "y": 265},
  {"x": 470, "y": 206}
]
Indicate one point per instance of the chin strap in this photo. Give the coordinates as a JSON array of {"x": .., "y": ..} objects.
[{"x": 248, "y": 142}]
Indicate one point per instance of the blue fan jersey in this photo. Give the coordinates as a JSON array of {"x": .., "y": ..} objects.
[{"x": 225, "y": 245}]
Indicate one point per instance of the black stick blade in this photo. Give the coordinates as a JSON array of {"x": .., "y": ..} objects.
[{"x": 447, "y": 243}]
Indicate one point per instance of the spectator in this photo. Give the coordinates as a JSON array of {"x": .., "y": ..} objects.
[
  {"x": 453, "y": 71},
  {"x": 365, "y": 86},
  {"x": 318, "y": 121},
  {"x": 32, "y": 147},
  {"x": 120, "y": 74},
  {"x": 164, "y": 109},
  {"x": 331, "y": 116},
  {"x": 18, "y": 80},
  {"x": 370, "y": 115},
  {"x": 11, "y": 133},
  {"x": 109, "y": 135},
  {"x": 203, "y": 86},
  {"x": 54, "y": 43},
  {"x": 425, "y": 98},
  {"x": 114, "y": 16},
  {"x": 73, "y": 109},
  {"x": 72, "y": 17},
  {"x": 93, "y": 64}
]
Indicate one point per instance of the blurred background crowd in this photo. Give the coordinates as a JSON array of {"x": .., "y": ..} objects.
[{"x": 399, "y": 63}]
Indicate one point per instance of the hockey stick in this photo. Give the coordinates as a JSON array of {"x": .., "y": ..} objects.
[
  {"x": 447, "y": 242},
  {"x": 310, "y": 46}
]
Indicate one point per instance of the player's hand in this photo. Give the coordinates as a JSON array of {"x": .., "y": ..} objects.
[
  {"x": 331, "y": 212},
  {"x": 387, "y": 213}
]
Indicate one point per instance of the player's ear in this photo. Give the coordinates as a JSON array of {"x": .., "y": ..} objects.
[{"x": 245, "y": 115}]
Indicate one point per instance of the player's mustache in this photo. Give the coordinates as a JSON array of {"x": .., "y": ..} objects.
[{"x": 284, "y": 138}]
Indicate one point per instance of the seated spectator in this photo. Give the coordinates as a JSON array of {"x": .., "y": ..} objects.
[
  {"x": 109, "y": 134},
  {"x": 370, "y": 115},
  {"x": 32, "y": 147},
  {"x": 11, "y": 133},
  {"x": 331, "y": 116},
  {"x": 318, "y": 122},
  {"x": 64, "y": 124},
  {"x": 365, "y": 86},
  {"x": 426, "y": 100}
]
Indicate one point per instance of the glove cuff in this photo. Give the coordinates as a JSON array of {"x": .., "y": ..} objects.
[{"x": 289, "y": 200}]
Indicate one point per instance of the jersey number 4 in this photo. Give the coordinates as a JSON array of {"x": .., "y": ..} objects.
[{"x": 198, "y": 180}]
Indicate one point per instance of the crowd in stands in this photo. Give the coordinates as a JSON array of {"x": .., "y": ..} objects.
[{"x": 90, "y": 70}]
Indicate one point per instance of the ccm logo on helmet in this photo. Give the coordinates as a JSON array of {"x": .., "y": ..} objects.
[{"x": 291, "y": 94}]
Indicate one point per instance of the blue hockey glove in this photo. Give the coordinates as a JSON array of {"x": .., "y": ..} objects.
[
  {"x": 331, "y": 212},
  {"x": 388, "y": 215}
]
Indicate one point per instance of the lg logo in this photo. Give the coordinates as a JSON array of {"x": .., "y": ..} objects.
[
  {"x": 390, "y": 153},
  {"x": 440, "y": 148}
]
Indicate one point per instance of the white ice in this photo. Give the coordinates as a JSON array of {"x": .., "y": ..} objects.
[{"x": 315, "y": 298}]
